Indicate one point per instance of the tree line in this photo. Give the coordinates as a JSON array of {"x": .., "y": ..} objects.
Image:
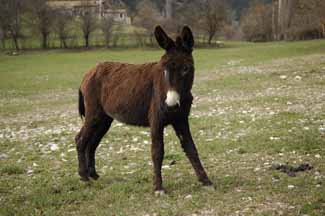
[
  {"x": 211, "y": 19},
  {"x": 284, "y": 20},
  {"x": 20, "y": 19}
]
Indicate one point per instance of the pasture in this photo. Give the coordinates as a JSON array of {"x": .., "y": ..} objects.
[{"x": 255, "y": 106}]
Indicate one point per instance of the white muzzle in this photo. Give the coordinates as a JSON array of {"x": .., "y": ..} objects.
[{"x": 172, "y": 98}]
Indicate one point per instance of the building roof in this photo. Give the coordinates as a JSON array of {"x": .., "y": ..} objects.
[{"x": 108, "y": 4}]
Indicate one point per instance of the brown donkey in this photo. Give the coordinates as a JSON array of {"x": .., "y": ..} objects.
[{"x": 152, "y": 95}]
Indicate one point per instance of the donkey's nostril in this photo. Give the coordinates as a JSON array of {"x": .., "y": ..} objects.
[{"x": 172, "y": 98}]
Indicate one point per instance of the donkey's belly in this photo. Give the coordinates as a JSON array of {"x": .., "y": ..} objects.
[
  {"x": 128, "y": 110},
  {"x": 130, "y": 117}
]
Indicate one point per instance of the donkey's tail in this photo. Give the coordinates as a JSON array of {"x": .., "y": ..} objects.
[{"x": 81, "y": 105}]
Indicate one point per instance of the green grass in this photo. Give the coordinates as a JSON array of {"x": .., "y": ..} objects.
[{"x": 255, "y": 105}]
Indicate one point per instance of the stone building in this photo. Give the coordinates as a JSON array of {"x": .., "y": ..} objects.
[{"x": 103, "y": 8}]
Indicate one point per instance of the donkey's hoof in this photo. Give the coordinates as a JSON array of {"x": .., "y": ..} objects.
[
  {"x": 159, "y": 193},
  {"x": 209, "y": 187},
  {"x": 206, "y": 182},
  {"x": 94, "y": 175},
  {"x": 84, "y": 178}
]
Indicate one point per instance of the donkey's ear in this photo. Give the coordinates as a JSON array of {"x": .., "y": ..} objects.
[
  {"x": 187, "y": 36},
  {"x": 163, "y": 40}
]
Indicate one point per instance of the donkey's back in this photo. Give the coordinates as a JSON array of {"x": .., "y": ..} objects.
[{"x": 123, "y": 91}]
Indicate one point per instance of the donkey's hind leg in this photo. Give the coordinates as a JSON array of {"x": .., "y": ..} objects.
[
  {"x": 102, "y": 128},
  {"x": 89, "y": 133},
  {"x": 81, "y": 148}
]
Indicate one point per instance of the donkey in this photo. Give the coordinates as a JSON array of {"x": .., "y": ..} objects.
[{"x": 150, "y": 95}]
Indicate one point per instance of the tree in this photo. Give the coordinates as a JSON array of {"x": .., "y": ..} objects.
[
  {"x": 106, "y": 26},
  {"x": 284, "y": 17},
  {"x": 88, "y": 21},
  {"x": 180, "y": 13},
  {"x": 321, "y": 14},
  {"x": 11, "y": 18},
  {"x": 147, "y": 17},
  {"x": 256, "y": 22},
  {"x": 299, "y": 19},
  {"x": 61, "y": 25},
  {"x": 213, "y": 14},
  {"x": 44, "y": 19}
]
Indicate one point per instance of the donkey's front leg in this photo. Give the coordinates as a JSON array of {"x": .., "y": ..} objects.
[
  {"x": 157, "y": 154},
  {"x": 183, "y": 132}
]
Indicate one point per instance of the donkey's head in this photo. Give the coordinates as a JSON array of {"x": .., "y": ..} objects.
[{"x": 177, "y": 63}]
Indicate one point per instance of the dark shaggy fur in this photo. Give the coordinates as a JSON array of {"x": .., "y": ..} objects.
[
  {"x": 81, "y": 105},
  {"x": 136, "y": 95}
]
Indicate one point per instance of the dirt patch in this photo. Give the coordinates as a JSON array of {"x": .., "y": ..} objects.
[{"x": 292, "y": 170}]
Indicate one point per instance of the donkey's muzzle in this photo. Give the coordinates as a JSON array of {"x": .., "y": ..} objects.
[{"x": 172, "y": 98}]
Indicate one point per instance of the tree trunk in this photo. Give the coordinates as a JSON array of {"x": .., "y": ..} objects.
[
  {"x": 44, "y": 40},
  {"x": 211, "y": 35},
  {"x": 63, "y": 43},
  {"x": 275, "y": 24},
  {"x": 3, "y": 42},
  {"x": 15, "y": 39},
  {"x": 86, "y": 41},
  {"x": 169, "y": 9},
  {"x": 284, "y": 17},
  {"x": 107, "y": 39}
]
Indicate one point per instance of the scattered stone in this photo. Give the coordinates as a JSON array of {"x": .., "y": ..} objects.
[
  {"x": 71, "y": 150},
  {"x": 275, "y": 178},
  {"x": 188, "y": 196},
  {"x": 29, "y": 171},
  {"x": 291, "y": 186},
  {"x": 54, "y": 147},
  {"x": 3, "y": 156},
  {"x": 274, "y": 138},
  {"x": 165, "y": 167},
  {"x": 159, "y": 193},
  {"x": 298, "y": 78}
]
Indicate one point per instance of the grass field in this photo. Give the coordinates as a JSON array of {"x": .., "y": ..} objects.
[{"x": 256, "y": 105}]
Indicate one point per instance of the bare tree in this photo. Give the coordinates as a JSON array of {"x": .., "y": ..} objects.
[
  {"x": 62, "y": 25},
  {"x": 284, "y": 17},
  {"x": 213, "y": 14},
  {"x": 2, "y": 38},
  {"x": 147, "y": 17},
  {"x": 11, "y": 16},
  {"x": 180, "y": 13},
  {"x": 256, "y": 22},
  {"x": 306, "y": 20},
  {"x": 44, "y": 19},
  {"x": 106, "y": 26},
  {"x": 298, "y": 19},
  {"x": 88, "y": 21},
  {"x": 321, "y": 14}
]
